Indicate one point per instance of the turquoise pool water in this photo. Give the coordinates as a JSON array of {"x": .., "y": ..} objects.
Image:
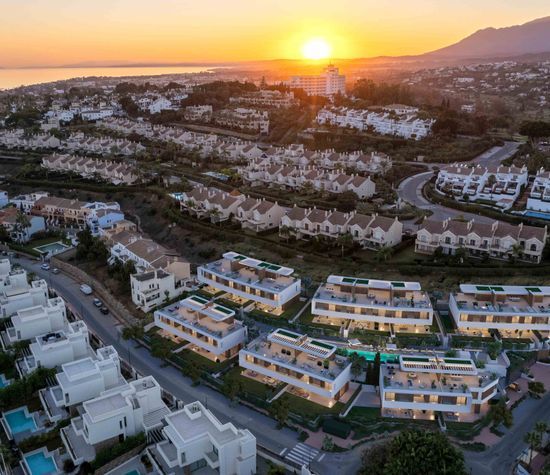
[
  {"x": 369, "y": 356},
  {"x": 3, "y": 381},
  {"x": 54, "y": 248},
  {"x": 40, "y": 464},
  {"x": 133, "y": 472},
  {"x": 19, "y": 421},
  {"x": 537, "y": 214}
]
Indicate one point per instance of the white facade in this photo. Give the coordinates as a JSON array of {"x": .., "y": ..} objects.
[
  {"x": 309, "y": 365},
  {"x": 374, "y": 304},
  {"x": 34, "y": 321},
  {"x": 512, "y": 310},
  {"x": 251, "y": 279},
  {"x": 56, "y": 348},
  {"x": 208, "y": 326},
  {"x": 194, "y": 437},
  {"x": 539, "y": 196},
  {"x": 150, "y": 289},
  {"x": 15, "y": 299},
  {"x": 118, "y": 413},
  {"x": 421, "y": 385},
  {"x": 82, "y": 380},
  {"x": 328, "y": 83}
]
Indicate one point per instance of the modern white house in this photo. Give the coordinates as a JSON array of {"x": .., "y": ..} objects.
[
  {"x": 539, "y": 195},
  {"x": 113, "y": 416},
  {"x": 194, "y": 439},
  {"x": 34, "y": 321},
  {"x": 81, "y": 380},
  {"x": 419, "y": 386},
  {"x": 19, "y": 298},
  {"x": 270, "y": 286},
  {"x": 56, "y": 348},
  {"x": 309, "y": 367},
  {"x": 515, "y": 311},
  {"x": 354, "y": 302},
  {"x": 150, "y": 289},
  {"x": 210, "y": 328}
]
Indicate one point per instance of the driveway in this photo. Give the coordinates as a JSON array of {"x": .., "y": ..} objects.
[
  {"x": 410, "y": 189},
  {"x": 108, "y": 329}
]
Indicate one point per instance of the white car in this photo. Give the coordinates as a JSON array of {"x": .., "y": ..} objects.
[
  {"x": 86, "y": 289},
  {"x": 45, "y": 266}
]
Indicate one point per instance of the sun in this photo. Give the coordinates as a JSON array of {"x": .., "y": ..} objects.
[{"x": 316, "y": 48}]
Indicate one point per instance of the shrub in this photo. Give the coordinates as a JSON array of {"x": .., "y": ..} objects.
[
  {"x": 335, "y": 427},
  {"x": 110, "y": 453}
]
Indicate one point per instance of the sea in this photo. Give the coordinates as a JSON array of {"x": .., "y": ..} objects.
[{"x": 10, "y": 78}]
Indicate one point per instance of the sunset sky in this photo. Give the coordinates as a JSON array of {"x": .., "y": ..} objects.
[{"x": 60, "y": 32}]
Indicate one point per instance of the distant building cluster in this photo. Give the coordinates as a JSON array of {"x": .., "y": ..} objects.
[
  {"x": 329, "y": 83},
  {"x": 266, "y": 98},
  {"x": 397, "y": 120}
]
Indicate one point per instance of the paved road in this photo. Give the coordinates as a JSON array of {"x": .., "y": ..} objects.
[
  {"x": 410, "y": 189},
  {"x": 108, "y": 329},
  {"x": 500, "y": 458}
]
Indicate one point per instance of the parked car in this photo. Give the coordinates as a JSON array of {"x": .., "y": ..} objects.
[
  {"x": 514, "y": 387},
  {"x": 86, "y": 289},
  {"x": 55, "y": 270},
  {"x": 98, "y": 303},
  {"x": 45, "y": 266},
  {"x": 104, "y": 310}
]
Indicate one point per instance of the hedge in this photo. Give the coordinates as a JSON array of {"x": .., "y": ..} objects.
[
  {"x": 104, "y": 456},
  {"x": 338, "y": 428}
]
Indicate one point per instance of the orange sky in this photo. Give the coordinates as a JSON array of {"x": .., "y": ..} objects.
[{"x": 58, "y": 32}]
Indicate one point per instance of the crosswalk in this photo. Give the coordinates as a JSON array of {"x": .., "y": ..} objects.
[{"x": 302, "y": 454}]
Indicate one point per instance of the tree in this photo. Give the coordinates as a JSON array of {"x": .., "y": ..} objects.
[
  {"x": 356, "y": 366},
  {"x": 328, "y": 443},
  {"x": 279, "y": 409},
  {"x": 536, "y": 387},
  {"x": 493, "y": 349},
  {"x": 414, "y": 452},
  {"x": 535, "y": 130},
  {"x": 499, "y": 413},
  {"x": 533, "y": 439},
  {"x": 284, "y": 232},
  {"x": 384, "y": 253},
  {"x": 22, "y": 224},
  {"x": 345, "y": 241},
  {"x": 231, "y": 387}
]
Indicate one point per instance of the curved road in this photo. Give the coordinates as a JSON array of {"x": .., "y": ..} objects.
[
  {"x": 108, "y": 329},
  {"x": 410, "y": 189}
]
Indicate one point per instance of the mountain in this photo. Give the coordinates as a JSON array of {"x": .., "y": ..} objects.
[{"x": 530, "y": 38}]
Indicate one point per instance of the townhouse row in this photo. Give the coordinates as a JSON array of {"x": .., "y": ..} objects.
[
  {"x": 76, "y": 142},
  {"x": 501, "y": 185},
  {"x": 266, "y": 98},
  {"x": 312, "y": 178},
  {"x": 370, "y": 232},
  {"x": 106, "y": 170},
  {"x": 400, "y": 121},
  {"x": 498, "y": 240}
]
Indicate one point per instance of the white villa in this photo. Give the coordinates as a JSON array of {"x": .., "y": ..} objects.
[
  {"x": 271, "y": 286},
  {"x": 420, "y": 386},
  {"x": 81, "y": 380},
  {"x": 309, "y": 367},
  {"x": 19, "y": 298},
  {"x": 194, "y": 438},
  {"x": 539, "y": 196},
  {"x": 372, "y": 304}
]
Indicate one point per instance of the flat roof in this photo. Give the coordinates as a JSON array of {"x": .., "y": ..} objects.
[
  {"x": 504, "y": 289},
  {"x": 372, "y": 283},
  {"x": 258, "y": 264},
  {"x": 207, "y": 307},
  {"x": 302, "y": 343},
  {"x": 105, "y": 405}
]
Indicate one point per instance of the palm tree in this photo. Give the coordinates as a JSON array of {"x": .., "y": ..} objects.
[
  {"x": 22, "y": 223},
  {"x": 345, "y": 241},
  {"x": 284, "y": 232},
  {"x": 384, "y": 253},
  {"x": 533, "y": 439},
  {"x": 214, "y": 214},
  {"x": 517, "y": 250}
]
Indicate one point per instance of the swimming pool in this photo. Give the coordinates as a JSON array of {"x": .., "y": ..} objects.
[
  {"x": 19, "y": 420},
  {"x": 40, "y": 464},
  {"x": 537, "y": 214},
  {"x": 52, "y": 248},
  {"x": 3, "y": 381},
  {"x": 133, "y": 472},
  {"x": 369, "y": 356}
]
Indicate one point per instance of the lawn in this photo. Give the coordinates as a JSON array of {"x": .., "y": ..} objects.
[
  {"x": 249, "y": 386},
  {"x": 189, "y": 357}
]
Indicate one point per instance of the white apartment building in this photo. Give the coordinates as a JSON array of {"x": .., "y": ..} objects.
[
  {"x": 501, "y": 185},
  {"x": 34, "y": 321},
  {"x": 328, "y": 83},
  {"x": 201, "y": 113},
  {"x": 420, "y": 386},
  {"x": 150, "y": 289},
  {"x": 215, "y": 204},
  {"x": 194, "y": 438},
  {"x": 210, "y": 328},
  {"x": 117, "y": 413},
  {"x": 539, "y": 195},
  {"x": 13, "y": 299},
  {"x": 26, "y": 202},
  {"x": 310, "y": 367},
  {"x": 383, "y": 305},
  {"x": 497, "y": 240},
  {"x": 271, "y": 286},
  {"x": 266, "y": 98},
  {"x": 81, "y": 380},
  {"x": 56, "y": 348},
  {"x": 259, "y": 214},
  {"x": 9, "y": 221},
  {"x": 244, "y": 119},
  {"x": 515, "y": 311}
]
